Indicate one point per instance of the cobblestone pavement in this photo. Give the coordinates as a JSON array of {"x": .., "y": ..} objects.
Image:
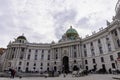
[{"x": 69, "y": 77}]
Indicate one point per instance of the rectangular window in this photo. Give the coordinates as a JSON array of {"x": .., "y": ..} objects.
[
  {"x": 84, "y": 46},
  {"x": 36, "y": 51},
  {"x": 35, "y": 57},
  {"x": 48, "y": 57},
  {"x": 86, "y": 62},
  {"x": 56, "y": 56},
  {"x": 91, "y": 44},
  {"x": 42, "y": 51},
  {"x": 118, "y": 42},
  {"x": 28, "y": 57},
  {"x": 29, "y": 50},
  {"x": 118, "y": 55},
  {"x": 111, "y": 57},
  {"x": 42, "y": 56},
  {"x": 85, "y": 53},
  {"x": 34, "y": 64},
  {"x": 113, "y": 65},
  {"x": 115, "y": 32},
  {"x": 27, "y": 64},
  {"x": 75, "y": 54},
  {"x": 56, "y": 50},
  {"x": 109, "y": 47},
  {"x": 99, "y": 41},
  {"x": 94, "y": 61},
  {"x": 86, "y": 67},
  {"x": 107, "y": 38},
  {"x": 74, "y": 46},
  {"x": 48, "y": 51},
  {"x": 20, "y": 63},
  {"x": 102, "y": 59},
  {"x": 100, "y": 49},
  {"x": 41, "y": 64},
  {"x": 23, "y": 49}
]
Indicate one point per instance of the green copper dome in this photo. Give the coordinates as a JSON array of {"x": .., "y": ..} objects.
[
  {"x": 71, "y": 33},
  {"x": 21, "y": 37}
]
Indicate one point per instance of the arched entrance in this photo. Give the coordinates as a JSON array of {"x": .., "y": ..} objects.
[
  {"x": 75, "y": 68},
  {"x": 65, "y": 64}
]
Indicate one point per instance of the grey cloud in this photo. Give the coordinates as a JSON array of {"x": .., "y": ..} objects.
[
  {"x": 83, "y": 23},
  {"x": 61, "y": 18}
]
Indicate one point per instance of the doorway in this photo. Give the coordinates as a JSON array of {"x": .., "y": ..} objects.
[{"x": 65, "y": 64}]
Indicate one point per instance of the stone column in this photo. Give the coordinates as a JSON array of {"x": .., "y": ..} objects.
[
  {"x": 118, "y": 32},
  {"x": 112, "y": 42}
]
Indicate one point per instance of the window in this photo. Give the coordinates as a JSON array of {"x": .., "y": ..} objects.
[
  {"x": 93, "y": 53},
  {"x": 74, "y": 61},
  {"x": 55, "y": 62},
  {"x": 74, "y": 46},
  {"x": 113, "y": 65},
  {"x": 56, "y": 50},
  {"x": 107, "y": 38},
  {"x": 29, "y": 50},
  {"x": 27, "y": 64},
  {"x": 91, "y": 44},
  {"x": 42, "y": 51},
  {"x": 34, "y": 64},
  {"x": 115, "y": 32},
  {"x": 48, "y": 51},
  {"x": 36, "y": 51},
  {"x": 118, "y": 55},
  {"x": 19, "y": 68},
  {"x": 42, "y": 56},
  {"x": 103, "y": 66},
  {"x": 48, "y": 57},
  {"x": 41, "y": 64},
  {"x": 35, "y": 57},
  {"x": 41, "y": 68},
  {"x": 56, "y": 56},
  {"x": 111, "y": 57},
  {"x": 100, "y": 49},
  {"x": 102, "y": 59},
  {"x": 109, "y": 47},
  {"x": 75, "y": 54},
  {"x": 34, "y": 68},
  {"x": 99, "y": 41},
  {"x": 86, "y": 62},
  {"x": 48, "y": 69},
  {"x": 118, "y": 42},
  {"x": 20, "y": 63},
  {"x": 86, "y": 67},
  {"x": 84, "y": 46},
  {"x": 23, "y": 49},
  {"x": 85, "y": 53},
  {"x": 21, "y": 56},
  {"x": 48, "y": 64},
  {"x": 28, "y": 57},
  {"x": 94, "y": 61}
]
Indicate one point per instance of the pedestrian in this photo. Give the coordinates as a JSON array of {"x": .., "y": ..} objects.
[{"x": 12, "y": 72}]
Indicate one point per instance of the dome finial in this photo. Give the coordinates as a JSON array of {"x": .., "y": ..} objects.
[{"x": 70, "y": 26}]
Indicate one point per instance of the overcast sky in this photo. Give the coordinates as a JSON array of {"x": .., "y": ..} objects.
[{"x": 43, "y": 21}]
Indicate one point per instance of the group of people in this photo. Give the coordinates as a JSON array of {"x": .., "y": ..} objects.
[{"x": 12, "y": 72}]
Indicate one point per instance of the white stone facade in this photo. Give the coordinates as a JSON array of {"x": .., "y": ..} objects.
[{"x": 100, "y": 50}]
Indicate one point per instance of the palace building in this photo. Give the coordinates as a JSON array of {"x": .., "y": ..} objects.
[{"x": 100, "y": 50}]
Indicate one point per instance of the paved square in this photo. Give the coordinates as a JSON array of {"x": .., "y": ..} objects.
[{"x": 69, "y": 77}]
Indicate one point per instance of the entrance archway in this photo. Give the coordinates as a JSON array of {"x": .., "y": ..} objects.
[
  {"x": 65, "y": 64},
  {"x": 75, "y": 68}
]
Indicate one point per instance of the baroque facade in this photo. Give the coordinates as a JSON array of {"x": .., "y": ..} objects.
[{"x": 100, "y": 50}]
